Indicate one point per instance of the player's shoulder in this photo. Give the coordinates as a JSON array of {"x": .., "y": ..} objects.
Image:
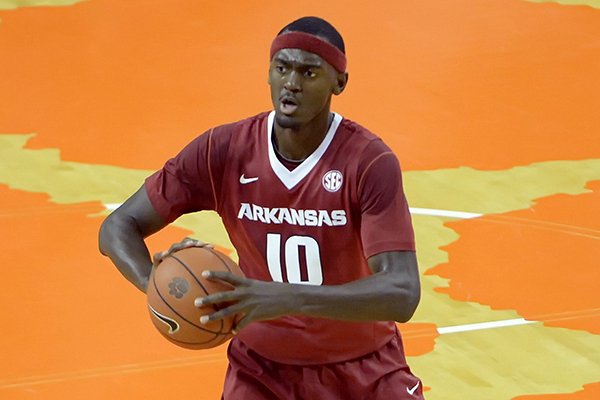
[
  {"x": 246, "y": 124},
  {"x": 220, "y": 137},
  {"x": 360, "y": 136}
]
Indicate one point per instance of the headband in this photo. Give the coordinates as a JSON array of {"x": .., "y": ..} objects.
[{"x": 313, "y": 44}]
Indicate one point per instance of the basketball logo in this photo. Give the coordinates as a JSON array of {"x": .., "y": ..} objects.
[
  {"x": 332, "y": 180},
  {"x": 173, "y": 325},
  {"x": 178, "y": 287}
]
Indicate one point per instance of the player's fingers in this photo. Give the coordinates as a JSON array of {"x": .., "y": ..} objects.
[
  {"x": 240, "y": 324},
  {"x": 191, "y": 242},
  {"x": 245, "y": 319},
  {"x": 187, "y": 242},
  {"x": 184, "y": 244},
  {"x": 235, "y": 328},
  {"x": 225, "y": 277},
  {"x": 158, "y": 257},
  {"x": 224, "y": 313},
  {"x": 200, "y": 243},
  {"x": 227, "y": 296}
]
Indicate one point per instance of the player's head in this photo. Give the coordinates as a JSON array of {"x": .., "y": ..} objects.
[
  {"x": 307, "y": 27},
  {"x": 308, "y": 66}
]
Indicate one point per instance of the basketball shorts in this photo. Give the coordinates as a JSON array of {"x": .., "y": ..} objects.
[{"x": 381, "y": 375}]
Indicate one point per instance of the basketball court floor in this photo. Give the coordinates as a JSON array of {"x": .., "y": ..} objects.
[{"x": 491, "y": 105}]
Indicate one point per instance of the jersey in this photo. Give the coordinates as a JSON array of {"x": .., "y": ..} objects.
[{"x": 313, "y": 225}]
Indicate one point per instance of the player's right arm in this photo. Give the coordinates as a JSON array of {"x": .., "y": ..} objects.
[
  {"x": 122, "y": 235},
  {"x": 182, "y": 186}
]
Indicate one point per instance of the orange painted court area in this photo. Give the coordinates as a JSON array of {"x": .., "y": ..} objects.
[
  {"x": 424, "y": 74},
  {"x": 527, "y": 249},
  {"x": 483, "y": 84},
  {"x": 73, "y": 327}
]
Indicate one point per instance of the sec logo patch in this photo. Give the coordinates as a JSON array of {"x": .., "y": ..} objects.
[{"x": 332, "y": 180}]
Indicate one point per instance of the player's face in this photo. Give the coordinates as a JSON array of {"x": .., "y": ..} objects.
[{"x": 301, "y": 87}]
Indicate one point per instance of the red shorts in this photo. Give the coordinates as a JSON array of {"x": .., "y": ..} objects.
[{"x": 381, "y": 375}]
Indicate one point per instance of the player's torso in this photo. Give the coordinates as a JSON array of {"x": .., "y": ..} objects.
[
  {"x": 298, "y": 226},
  {"x": 302, "y": 227}
]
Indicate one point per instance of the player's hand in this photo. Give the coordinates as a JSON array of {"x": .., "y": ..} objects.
[
  {"x": 184, "y": 244},
  {"x": 253, "y": 299}
]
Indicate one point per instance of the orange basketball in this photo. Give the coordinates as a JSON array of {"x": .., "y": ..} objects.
[{"x": 174, "y": 285}]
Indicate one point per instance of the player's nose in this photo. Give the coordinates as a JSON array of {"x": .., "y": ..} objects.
[{"x": 293, "y": 82}]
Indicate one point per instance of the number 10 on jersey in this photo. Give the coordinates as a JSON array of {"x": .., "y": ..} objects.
[{"x": 291, "y": 258}]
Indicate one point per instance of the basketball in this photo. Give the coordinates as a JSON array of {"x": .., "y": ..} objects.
[{"x": 174, "y": 285}]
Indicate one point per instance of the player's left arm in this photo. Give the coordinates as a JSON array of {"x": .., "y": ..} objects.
[
  {"x": 401, "y": 270},
  {"x": 391, "y": 293}
]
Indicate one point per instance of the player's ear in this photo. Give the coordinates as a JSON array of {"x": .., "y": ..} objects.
[{"x": 340, "y": 83}]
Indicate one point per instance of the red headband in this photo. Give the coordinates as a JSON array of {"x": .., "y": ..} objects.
[{"x": 313, "y": 44}]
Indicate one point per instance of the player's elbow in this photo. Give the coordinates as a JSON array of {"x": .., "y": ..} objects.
[
  {"x": 104, "y": 236},
  {"x": 111, "y": 226},
  {"x": 407, "y": 303}
]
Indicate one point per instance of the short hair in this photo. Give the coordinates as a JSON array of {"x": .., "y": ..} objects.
[{"x": 318, "y": 27}]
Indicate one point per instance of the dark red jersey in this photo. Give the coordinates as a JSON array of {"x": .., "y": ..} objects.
[{"x": 313, "y": 225}]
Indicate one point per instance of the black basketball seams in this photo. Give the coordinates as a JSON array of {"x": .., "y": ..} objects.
[
  {"x": 179, "y": 315},
  {"x": 191, "y": 273},
  {"x": 171, "y": 338},
  {"x": 219, "y": 332},
  {"x": 199, "y": 283},
  {"x": 220, "y": 259}
]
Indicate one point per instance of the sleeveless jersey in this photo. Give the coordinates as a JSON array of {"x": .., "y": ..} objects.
[{"x": 313, "y": 225}]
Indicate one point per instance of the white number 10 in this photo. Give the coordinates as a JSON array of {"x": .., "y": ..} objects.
[{"x": 292, "y": 259}]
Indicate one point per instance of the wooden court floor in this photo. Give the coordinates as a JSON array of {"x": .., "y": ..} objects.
[{"x": 491, "y": 105}]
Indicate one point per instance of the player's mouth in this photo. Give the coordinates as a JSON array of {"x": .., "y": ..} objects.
[{"x": 288, "y": 105}]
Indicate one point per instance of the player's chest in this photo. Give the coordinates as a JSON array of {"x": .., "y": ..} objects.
[{"x": 255, "y": 180}]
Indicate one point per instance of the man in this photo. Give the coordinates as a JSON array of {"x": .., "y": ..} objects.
[{"x": 314, "y": 205}]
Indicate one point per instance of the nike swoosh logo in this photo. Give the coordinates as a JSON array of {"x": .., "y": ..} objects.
[
  {"x": 244, "y": 180},
  {"x": 173, "y": 325},
  {"x": 414, "y": 388}
]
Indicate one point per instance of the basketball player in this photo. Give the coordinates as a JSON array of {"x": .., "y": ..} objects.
[{"x": 314, "y": 205}]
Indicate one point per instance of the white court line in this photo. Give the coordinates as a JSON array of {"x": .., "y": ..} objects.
[
  {"x": 483, "y": 325},
  {"x": 413, "y": 210},
  {"x": 182, "y": 363},
  {"x": 112, "y": 206},
  {"x": 443, "y": 213}
]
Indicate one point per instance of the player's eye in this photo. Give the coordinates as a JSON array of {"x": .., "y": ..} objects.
[
  {"x": 280, "y": 69},
  {"x": 310, "y": 73}
]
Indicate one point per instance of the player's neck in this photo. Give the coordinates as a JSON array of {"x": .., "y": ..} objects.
[{"x": 298, "y": 144}]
